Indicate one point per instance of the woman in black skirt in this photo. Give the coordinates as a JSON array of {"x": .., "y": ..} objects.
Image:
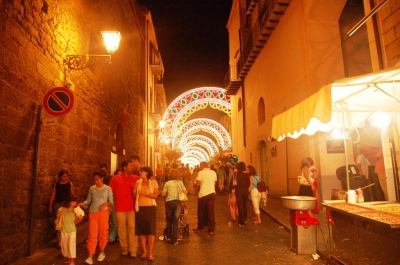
[
  {"x": 307, "y": 188},
  {"x": 145, "y": 221}
]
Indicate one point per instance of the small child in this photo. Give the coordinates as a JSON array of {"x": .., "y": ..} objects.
[
  {"x": 68, "y": 231},
  {"x": 233, "y": 207}
]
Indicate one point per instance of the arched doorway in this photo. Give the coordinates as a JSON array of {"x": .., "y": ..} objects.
[{"x": 263, "y": 158}]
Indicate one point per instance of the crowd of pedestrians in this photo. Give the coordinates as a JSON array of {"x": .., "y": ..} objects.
[{"x": 122, "y": 206}]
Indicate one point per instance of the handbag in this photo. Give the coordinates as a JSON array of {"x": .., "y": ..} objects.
[
  {"x": 181, "y": 195},
  {"x": 302, "y": 180},
  {"x": 59, "y": 223}
]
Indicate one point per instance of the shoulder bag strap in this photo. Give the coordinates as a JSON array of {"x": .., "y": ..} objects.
[{"x": 258, "y": 180}]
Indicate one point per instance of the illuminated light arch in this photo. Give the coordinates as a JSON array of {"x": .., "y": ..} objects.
[
  {"x": 210, "y": 126},
  {"x": 195, "y": 156},
  {"x": 200, "y": 140},
  {"x": 181, "y": 138},
  {"x": 209, "y": 149},
  {"x": 195, "y": 153},
  {"x": 191, "y": 101},
  {"x": 197, "y": 150},
  {"x": 191, "y": 161}
]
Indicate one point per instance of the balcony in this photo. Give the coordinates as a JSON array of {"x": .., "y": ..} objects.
[
  {"x": 155, "y": 61},
  {"x": 255, "y": 39},
  {"x": 250, "y": 5},
  {"x": 232, "y": 82}
]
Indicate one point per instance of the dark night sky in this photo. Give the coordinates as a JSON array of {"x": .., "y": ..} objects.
[{"x": 193, "y": 41}]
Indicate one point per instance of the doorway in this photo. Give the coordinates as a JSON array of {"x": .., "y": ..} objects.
[{"x": 262, "y": 156}]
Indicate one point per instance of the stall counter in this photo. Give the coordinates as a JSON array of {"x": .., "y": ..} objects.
[{"x": 364, "y": 233}]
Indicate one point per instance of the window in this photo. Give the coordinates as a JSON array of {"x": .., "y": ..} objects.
[
  {"x": 261, "y": 111},
  {"x": 240, "y": 105}
]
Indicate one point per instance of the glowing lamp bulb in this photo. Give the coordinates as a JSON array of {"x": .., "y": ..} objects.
[{"x": 336, "y": 133}]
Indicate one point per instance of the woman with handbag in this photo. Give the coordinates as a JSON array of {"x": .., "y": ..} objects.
[
  {"x": 306, "y": 179},
  {"x": 173, "y": 207},
  {"x": 145, "y": 206},
  {"x": 254, "y": 193}
]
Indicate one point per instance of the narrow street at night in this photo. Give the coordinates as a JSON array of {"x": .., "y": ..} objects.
[
  {"x": 267, "y": 243},
  {"x": 293, "y": 105}
]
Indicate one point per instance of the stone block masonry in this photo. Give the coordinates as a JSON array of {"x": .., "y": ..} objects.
[{"x": 35, "y": 37}]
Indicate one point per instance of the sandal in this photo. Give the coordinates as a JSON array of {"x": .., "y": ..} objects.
[
  {"x": 143, "y": 256},
  {"x": 151, "y": 257}
]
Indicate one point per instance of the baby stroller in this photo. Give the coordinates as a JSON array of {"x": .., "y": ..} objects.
[{"x": 183, "y": 226}]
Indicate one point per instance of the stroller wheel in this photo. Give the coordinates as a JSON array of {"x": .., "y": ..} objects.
[{"x": 187, "y": 230}]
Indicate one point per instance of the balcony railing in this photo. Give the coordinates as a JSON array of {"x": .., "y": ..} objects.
[
  {"x": 232, "y": 81},
  {"x": 254, "y": 40},
  {"x": 250, "y": 5}
]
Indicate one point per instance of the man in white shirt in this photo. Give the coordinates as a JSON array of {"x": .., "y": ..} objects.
[{"x": 206, "y": 180}]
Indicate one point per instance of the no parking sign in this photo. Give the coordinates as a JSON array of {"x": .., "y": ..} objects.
[{"x": 58, "y": 101}]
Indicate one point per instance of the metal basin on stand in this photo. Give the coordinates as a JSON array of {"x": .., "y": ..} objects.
[
  {"x": 303, "y": 225},
  {"x": 299, "y": 203}
]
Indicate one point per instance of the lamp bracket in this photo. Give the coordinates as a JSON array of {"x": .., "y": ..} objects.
[{"x": 79, "y": 62}]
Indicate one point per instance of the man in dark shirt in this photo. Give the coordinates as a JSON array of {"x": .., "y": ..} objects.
[{"x": 107, "y": 176}]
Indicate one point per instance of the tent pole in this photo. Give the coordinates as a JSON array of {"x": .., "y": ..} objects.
[
  {"x": 394, "y": 164},
  {"x": 345, "y": 152}
]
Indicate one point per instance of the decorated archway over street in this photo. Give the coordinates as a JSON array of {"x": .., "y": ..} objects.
[
  {"x": 214, "y": 128},
  {"x": 188, "y": 103},
  {"x": 197, "y": 150},
  {"x": 200, "y": 140}
]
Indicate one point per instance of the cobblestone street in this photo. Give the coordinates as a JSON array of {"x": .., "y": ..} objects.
[{"x": 268, "y": 243}]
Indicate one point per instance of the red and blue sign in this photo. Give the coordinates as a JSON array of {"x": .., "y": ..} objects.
[{"x": 58, "y": 101}]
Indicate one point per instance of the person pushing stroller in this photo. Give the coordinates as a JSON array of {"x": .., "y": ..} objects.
[{"x": 173, "y": 207}]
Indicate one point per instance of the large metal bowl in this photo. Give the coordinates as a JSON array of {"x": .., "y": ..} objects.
[{"x": 300, "y": 203}]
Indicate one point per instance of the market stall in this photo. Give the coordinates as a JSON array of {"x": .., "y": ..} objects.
[
  {"x": 364, "y": 233},
  {"x": 343, "y": 106}
]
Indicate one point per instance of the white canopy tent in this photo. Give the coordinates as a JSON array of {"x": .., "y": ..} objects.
[
  {"x": 344, "y": 105},
  {"x": 357, "y": 98}
]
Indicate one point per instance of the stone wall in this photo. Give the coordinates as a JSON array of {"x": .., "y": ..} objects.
[{"x": 35, "y": 37}]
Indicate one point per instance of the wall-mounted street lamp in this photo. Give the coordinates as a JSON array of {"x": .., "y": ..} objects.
[{"x": 79, "y": 62}]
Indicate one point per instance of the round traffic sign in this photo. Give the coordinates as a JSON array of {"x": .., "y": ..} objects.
[{"x": 58, "y": 101}]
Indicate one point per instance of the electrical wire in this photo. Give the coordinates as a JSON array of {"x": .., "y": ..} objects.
[{"x": 320, "y": 229}]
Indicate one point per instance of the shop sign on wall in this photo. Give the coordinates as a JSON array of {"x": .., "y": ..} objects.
[{"x": 334, "y": 146}]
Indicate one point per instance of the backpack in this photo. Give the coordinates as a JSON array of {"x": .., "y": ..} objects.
[{"x": 261, "y": 186}]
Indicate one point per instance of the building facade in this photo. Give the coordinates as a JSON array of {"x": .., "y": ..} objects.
[
  {"x": 155, "y": 96},
  {"x": 109, "y": 119},
  {"x": 282, "y": 52}
]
